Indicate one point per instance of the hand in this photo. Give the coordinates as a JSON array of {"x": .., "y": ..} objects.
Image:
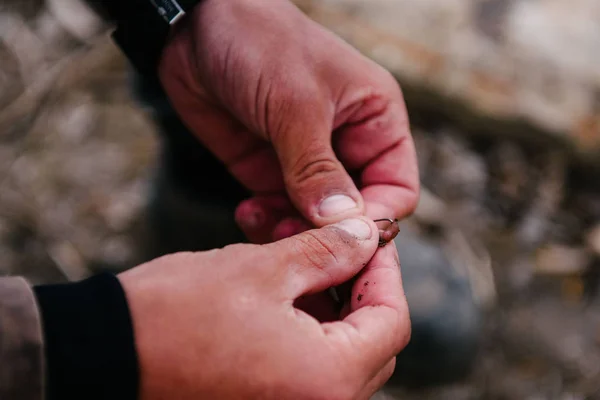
[
  {"x": 222, "y": 324},
  {"x": 315, "y": 130}
]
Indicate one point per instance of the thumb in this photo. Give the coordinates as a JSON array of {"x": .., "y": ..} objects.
[
  {"x": 316, "y": 181},
  {"x": 322, "y": 258}
]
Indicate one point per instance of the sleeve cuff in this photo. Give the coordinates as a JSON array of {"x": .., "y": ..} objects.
[
  {"x": 90, "y": 345},
  {"x": 21, "y": 354}
]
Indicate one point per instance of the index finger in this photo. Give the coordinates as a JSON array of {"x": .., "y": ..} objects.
[
  {"x": 378, "y": 326},
  {"x": 380, "y": 148}
]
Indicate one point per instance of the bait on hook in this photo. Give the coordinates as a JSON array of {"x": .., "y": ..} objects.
[{"x": 389, "y": 232}]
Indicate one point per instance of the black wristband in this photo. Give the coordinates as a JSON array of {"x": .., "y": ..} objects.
[
  {"x": 143, "y": 27},
  {"x": 89, "y": 341}
]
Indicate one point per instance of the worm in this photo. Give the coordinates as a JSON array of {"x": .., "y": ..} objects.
[{"x": 388, "y": 234}]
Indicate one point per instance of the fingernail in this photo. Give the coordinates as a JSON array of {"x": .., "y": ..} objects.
[
  {"x": 356, "y": 227},
  {"x": 336, "y": 204}
]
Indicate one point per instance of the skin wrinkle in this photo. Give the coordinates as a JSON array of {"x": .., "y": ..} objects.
[
  {"x": 398, "y": 143},
  {"x": 317, "y": 252},
  {"x": 229, "y": 71},
  {"x": 343, "y": 114},
  {"x": 268, "y": 116},
  {"x": 365, "y": 97},
  {"x": 193, "y": 45},
  {"x": 277, "y": 125},
  {"x": 384, "y": 152},
  {"x": 352, "y": 156},
  {"x": 303, "y": 171},
  {"x": 258, "y": 103}
]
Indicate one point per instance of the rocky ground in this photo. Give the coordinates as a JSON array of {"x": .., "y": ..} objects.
[{"x": 76, "y": 160}]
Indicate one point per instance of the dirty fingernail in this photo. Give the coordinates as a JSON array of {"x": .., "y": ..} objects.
[
  {"x": 356, "y": 227},
  {"x": 336, "y": 204}
]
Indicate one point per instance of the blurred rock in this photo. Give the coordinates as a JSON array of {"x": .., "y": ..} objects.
[
  {"x": 78, "y": 119},
  {"x": 77, "y": 18},
  {"x": 470, "y": 257},
  {"x": 560, "y": 334},
  {"x": 381, "y": 395},
  {"x": 521, "y": 273},
  {"x": 26, "y": 8},
  {"x": 555, "y": 259},
  {"x": 534, "y": 226},
  {"x": 460, "y": 172},
  {"x": 10, "y": 80},
  {"x": 425, "y": 147},
  {"x": 593, "y": 240},
  {"x": 512, "y": 184},
  {"x": 512, "y": 61},
  {"x": 116, "y": 253},
  {"x": 430, "y": 209},
  {"x": 69, "y": 261},
  {"x": 446, "y": 322}
]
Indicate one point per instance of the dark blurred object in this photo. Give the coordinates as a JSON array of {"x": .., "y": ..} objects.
[
  {"x": 10, "y": 82},
  {"x": 194, "y": 197},
  {"x": 446, "y": 321},
  {"x": 27, "y": 8}
]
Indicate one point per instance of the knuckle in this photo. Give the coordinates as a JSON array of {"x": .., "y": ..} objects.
[
  {"x": 387, "y": 83},
  {"x": 313, "y": 164},
  {"x": 319, "y": 248},
  {"x": 385, "y": 78},
  {"x": 389, "y": 79}
]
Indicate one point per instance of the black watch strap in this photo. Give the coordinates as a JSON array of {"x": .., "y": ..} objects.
[
  {"x": 173, "y": 10},
  {"x": 143, "y": 27}
]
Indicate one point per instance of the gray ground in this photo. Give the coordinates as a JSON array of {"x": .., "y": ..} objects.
[{"x": 76, "y": 158}]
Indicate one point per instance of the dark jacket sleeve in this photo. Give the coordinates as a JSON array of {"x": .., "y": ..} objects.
[
  {"x": 66, "y": 341},
  {"x": 140, "y": 31},
  {"x": 21, "y": 345}
]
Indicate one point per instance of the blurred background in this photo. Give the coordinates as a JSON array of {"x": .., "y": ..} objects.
[{"x": 504, "y": 99}]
